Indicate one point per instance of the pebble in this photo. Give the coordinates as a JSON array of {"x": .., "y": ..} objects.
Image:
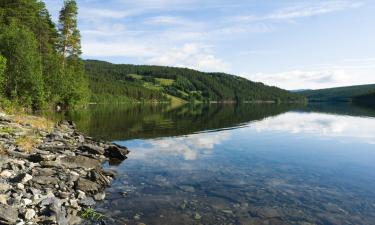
[{"x": 30, "y": 213}]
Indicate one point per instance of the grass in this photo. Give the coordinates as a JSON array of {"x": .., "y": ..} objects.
[
  {"x": 90, "y": 214},
  {"x": 6, "y": 130},
  {"x": 164, "y": 82},
  {"x": 135, "y": 76},
  {"x": 34, "y": 121},
  {"x": 27, "y": 143}
]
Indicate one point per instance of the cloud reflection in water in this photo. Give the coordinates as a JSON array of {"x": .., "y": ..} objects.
[
  {"x": 189, "y": 147},
  {"x": 323, "y": 125}
]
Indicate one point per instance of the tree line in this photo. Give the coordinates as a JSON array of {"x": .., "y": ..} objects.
[
  {"x": 188, "y": 84},
  {"x": 40, "y": 64}
]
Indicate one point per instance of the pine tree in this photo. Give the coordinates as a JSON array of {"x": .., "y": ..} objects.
[
  {"x": 70, "y": 38},
  {"x": 75, "y": 90}
]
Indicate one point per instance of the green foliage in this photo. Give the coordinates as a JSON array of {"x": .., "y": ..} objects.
[
  {"x": 90, "y": 214},
  {"x": 3, "y": 63},
  {"x": 70, "y": 38},
  {"x": 23, "y": 76},
  {"x": 340, "y": 94},
  {"x": 37, "y": 67},
  {"x": 155, "y": 82}
]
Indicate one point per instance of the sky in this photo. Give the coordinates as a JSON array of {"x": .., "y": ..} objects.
[{"x": 292, "y": 44}]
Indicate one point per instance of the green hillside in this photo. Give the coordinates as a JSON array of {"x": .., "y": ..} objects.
[
  {"x": 340, "y": 94},
  {"x": 158, "y": 83}
]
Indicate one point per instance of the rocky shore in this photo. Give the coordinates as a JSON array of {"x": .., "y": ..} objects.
[{"x": 50, "y": 174}]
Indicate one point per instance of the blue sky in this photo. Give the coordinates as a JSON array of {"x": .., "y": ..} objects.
[{"x": 290, "y": 44}]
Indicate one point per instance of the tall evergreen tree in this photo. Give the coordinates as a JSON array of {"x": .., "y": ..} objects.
[
  {"x": 70, "y": 38},
  {"x": 75, "y": 88}
]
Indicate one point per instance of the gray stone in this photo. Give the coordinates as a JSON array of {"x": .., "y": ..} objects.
[
  {"x": 87, "y": 201},
  {"x": 79, "y": 162},
  {"x": 87, "y": 186},
  {"x": 30, "y": 213},
  {"x": 4, "y": 187},
  {"x": 93, "y": 149},
  {"x": 8, "y": 215}
]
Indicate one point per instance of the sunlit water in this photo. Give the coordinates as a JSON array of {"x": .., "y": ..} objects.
[{"x": 240, "y": 164}]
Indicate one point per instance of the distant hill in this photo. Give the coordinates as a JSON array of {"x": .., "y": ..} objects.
[
  {"x": 340, "y": 94},
  {"x": 124, "y": 82}
]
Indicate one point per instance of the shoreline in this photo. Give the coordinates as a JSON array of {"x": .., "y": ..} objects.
[{"x": 50, "y": 174}]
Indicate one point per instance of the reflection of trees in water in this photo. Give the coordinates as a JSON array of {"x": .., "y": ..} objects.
[
  {"x": 120, "y": 122},
  {"x": 341, "y": 108}
]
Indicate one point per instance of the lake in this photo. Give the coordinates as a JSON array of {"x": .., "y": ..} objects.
[{"x": 238, "y": 164}]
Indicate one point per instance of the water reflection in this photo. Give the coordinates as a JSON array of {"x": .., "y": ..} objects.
[
  {"x": 124, "y": 122},
  {"x": 360, "y": 129},
  {"x": 188, "y": 147},
  {"x": 306, "y": 166}
]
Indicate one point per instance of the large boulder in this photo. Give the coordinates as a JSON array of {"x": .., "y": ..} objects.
[
  {"x": 116, "y": 151},
  {"x": 79, "y": 161},
  {"x": 93, "y": 149}
]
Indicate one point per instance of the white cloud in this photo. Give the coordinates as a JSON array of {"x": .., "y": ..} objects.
[
  {"x": 96, "y": 14},
  {"x": 305, "y": 9},
  {"x": 312, "y": 9},
  {"x": 166, "y": 20},
  {"x": 350, "y": 72},
  {"x": 191, "y": 55}
]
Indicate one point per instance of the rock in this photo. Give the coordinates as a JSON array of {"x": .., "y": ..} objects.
[
  {"x": 30, "y": 213},
  {"x": 43, "y": 171},
  {"x": 3, "y": 199},
  {"x": 79, "y": 162},
  {"x": 74, "y": 203},
  {"x": 6, "y": 174},
  {"x": 98, "y": 177},
  {"x": 87, "y": 186},
  {"x": 8, "y": 215},
  {"x": 26, "y": 201},
  {"x": 46, "y": 180},
  {"x": 22, "y": 178},
  {"x": 116, "y": 151},
  {"x": 87, "y": 202},
  {"x": 99, "y": 196},
  {"x": 4, "y": 187},
  {"x": 20, "y": 186},
  {"x": 93, "y": 149},
  {"x": 81, "y": 194},
  {"x": 137, "y": 217}
]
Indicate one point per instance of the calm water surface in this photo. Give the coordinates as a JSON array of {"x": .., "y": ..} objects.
[{"x": 248, "y": 164}]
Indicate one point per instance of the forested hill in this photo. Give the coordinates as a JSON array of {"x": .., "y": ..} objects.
[
  {"x": 340, "y": 94},
  {"x": 137, "y": 82}
]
